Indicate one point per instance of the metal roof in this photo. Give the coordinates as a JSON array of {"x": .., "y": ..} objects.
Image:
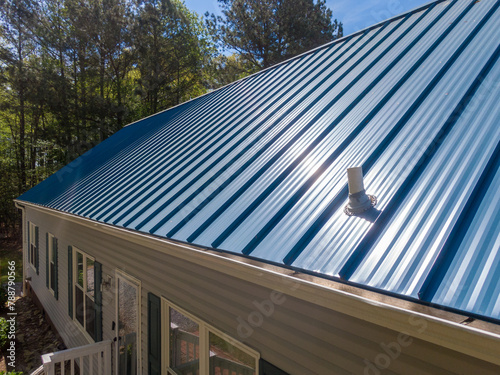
[{"x": 258, "y": 167}]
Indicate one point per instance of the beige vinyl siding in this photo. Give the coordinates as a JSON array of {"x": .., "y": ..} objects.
[
  {"x": 299, "y": 337},
  {"x": 57, "y": 310}
]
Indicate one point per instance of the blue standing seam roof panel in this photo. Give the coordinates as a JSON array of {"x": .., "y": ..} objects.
[{"x": 258, "y": 168}]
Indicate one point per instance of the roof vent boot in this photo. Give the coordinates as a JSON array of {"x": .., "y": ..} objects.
[{"x": 359, "y": 201}]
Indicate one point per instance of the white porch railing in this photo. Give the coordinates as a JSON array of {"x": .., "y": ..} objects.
[{"x": 89, "y": 359}]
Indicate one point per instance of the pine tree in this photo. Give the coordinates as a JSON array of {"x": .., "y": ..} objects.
[{"x": 267, "y": 32}]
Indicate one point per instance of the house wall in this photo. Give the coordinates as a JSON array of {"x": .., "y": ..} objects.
[{"x": 299, "y": 337}]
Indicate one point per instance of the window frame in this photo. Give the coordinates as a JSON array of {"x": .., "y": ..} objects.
[
  {"x": 83, "y": 328},
  {"x": 32, "y": 242},
  {"x": 205, "y": 329},
  {"x": 50, "y": 250}
]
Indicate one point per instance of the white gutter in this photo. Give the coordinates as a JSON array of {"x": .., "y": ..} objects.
[{"x": 461, "y": 338}]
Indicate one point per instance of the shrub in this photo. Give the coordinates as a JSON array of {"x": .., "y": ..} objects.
[
  {"x": 4, "y": 333},
  {"x": 3, "y": 297},
  {"x": 11, "y": 373}
]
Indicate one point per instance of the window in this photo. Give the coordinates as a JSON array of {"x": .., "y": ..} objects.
[
  {"x": 226, "y": 356},
  {"x": 33, "y": 245},
  {"x": 184, "y": 343},
  {"x": 84, "y": 292},
  {"x": 192, "y": 347},
  {"x": 51, "y": 260}
]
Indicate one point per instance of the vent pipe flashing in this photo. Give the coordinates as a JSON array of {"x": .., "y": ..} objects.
[{"x": 359, "y": 201}]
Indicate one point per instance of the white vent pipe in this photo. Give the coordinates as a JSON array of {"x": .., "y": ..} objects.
[
  {"x": 355, "y": 180},
  {"x": 359, "y": 201}
]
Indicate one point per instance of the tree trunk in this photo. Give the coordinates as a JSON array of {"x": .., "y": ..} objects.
[{"x": 22, "y": 117}]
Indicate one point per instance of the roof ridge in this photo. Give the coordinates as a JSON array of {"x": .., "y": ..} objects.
[{"x": 335, "y": 41}]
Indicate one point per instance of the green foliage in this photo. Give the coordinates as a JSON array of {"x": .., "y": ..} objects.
[
  {"x": 11, "y": 373},
  {"x": 226, "y": 69},
  {"x": 4, "y": 332},
  {"x": 8, "y": 182},
  {"x": 270, "y": 31},
  {"x": 74, "y": 72},
  {"x": 173, "y": 48},
  {"x": 10, "y": 252},
  {"x": 3, "y": 297}
]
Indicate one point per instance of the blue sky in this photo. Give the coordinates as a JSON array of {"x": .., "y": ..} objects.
[{"x": 355, "y": 14}]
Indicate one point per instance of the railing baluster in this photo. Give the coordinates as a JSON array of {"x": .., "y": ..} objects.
[
  {"x": 98, "y": 354},
  {"x": 104, "y": 362},
  {"x": 107, "y": 359},
  {"x": 91, "y": 363}
]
